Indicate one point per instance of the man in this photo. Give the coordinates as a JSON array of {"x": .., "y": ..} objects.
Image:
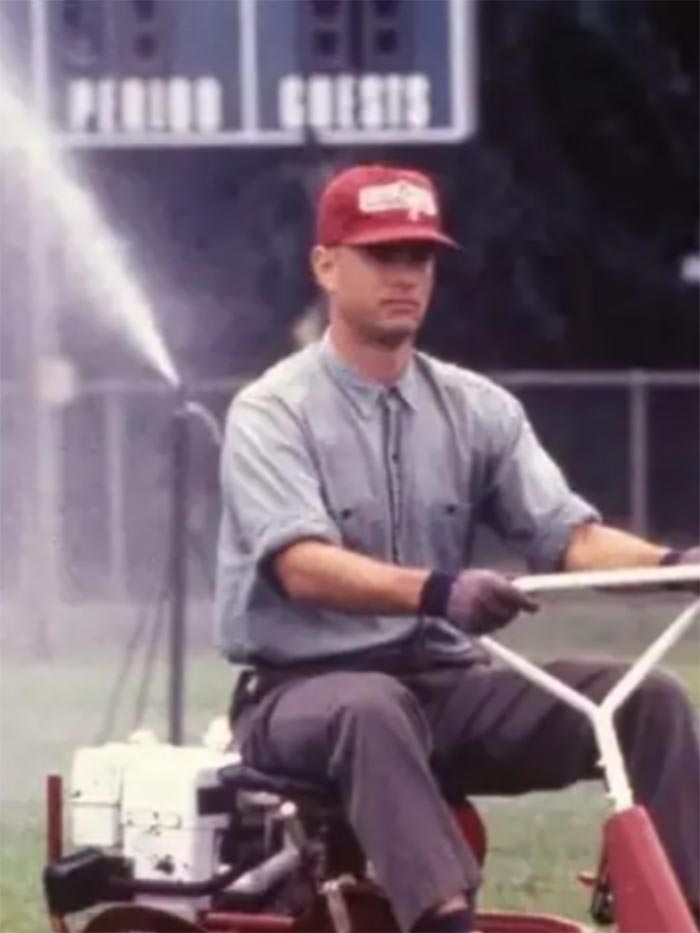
[{"x": 353, "y": 475}]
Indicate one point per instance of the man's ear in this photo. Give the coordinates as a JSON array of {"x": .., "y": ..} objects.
[{"x": 323, "y": 266}]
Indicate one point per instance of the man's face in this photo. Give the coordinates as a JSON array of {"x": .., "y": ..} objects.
[{"x": 380, "y": 292}]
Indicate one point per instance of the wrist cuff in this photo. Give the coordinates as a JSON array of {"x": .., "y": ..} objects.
[
  {"x": 670, "y": 558},
  {"x": 435, "y": 594}
]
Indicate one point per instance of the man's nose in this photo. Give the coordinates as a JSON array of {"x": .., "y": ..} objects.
[
  {"x": 406, "y": 288},
  {"x": 404, "y": 273},
  {"x": 405, "y": 279}
]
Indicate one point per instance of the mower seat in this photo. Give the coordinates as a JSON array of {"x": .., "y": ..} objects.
[
  {"x": 318, "y": 807},
  {"x": 241, "y": 777},
  {"x": 321, "y": 800}
]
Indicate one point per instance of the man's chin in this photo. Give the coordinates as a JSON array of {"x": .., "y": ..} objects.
[{"x": 395, "y": 334}]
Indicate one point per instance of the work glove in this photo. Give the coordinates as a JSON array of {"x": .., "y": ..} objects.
[
  {"x": 482, "y": 601},
  {"x": 690, "y": 556}
]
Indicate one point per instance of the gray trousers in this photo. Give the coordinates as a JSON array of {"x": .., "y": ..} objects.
[{"x": 385, "y": 740}]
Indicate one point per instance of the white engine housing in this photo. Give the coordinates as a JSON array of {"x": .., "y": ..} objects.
[{"x": 140, "y": 801}]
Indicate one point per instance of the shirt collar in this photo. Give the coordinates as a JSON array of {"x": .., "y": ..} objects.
[{"x": 363, "y": 392}]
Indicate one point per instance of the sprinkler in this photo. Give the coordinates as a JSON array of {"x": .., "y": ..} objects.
[
  {"x": 121, "y": 302},
  {"x": 184, "y": 409},
  {"x": 178, "y": 565}
]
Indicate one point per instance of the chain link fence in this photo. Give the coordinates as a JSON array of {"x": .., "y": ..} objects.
[{"x": 629, "y": 441}]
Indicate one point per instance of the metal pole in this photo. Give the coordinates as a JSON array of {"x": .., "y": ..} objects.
[
  {"x": 601, "y": 714},
  {"x": 609, "y": 579},
  {"x": 639, "y": 454},
  {"x": 39, "y": 552},
  {"x": 178, "y": 569},
  {"x": 116, "y": 451}
]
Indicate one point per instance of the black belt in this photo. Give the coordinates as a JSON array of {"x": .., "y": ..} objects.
[{"x": 255, "y": 683}]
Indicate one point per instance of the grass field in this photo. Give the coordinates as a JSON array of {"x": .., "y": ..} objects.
[{"x": 49, "y": 707}]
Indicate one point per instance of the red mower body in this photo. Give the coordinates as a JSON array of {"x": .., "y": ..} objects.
[{"x": 645, "y": 890}]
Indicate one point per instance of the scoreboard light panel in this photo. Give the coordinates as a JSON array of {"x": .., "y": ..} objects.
[{"x": 260, "y": 72}]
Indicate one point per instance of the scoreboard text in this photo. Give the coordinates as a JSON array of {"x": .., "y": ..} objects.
[{"x": 261, "y": 71}]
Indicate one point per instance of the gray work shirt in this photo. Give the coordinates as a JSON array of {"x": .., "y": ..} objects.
[{"x": 313, "y": 449}]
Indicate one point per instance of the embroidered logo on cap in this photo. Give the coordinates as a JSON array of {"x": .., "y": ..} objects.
[{"x": 398, "y": 196}]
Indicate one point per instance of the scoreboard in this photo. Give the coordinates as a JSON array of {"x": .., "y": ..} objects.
[{"x": 260, "y": 72}]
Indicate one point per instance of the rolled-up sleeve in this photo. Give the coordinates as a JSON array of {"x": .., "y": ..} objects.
[
  {"x": 271, "y": 489},
  {"x": 530, "y": 504}
]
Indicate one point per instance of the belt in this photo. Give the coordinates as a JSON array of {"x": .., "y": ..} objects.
[{"x": 254, "y": 683}]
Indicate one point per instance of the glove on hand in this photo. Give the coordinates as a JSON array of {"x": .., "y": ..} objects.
[
  {"x": 690, "y": 556},
  {"x": 482, "y": 601}
]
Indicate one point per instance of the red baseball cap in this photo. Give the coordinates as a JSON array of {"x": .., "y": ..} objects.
[{"x": 379, "y": 204}]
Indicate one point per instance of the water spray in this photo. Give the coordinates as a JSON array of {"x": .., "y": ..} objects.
[
  {"x": 88, "y": 237},
  {"x": 85, "y": 232}
]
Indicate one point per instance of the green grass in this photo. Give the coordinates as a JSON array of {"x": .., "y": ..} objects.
[
  {"x": 537, "y": 844},
  {"x": 48, "y": 708},
  {"x": 21, "y": 858}
]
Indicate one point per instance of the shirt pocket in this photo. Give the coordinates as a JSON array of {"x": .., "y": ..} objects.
[
  {"x": 363, "y": 527},
  {"x": 450, "y": 529}
]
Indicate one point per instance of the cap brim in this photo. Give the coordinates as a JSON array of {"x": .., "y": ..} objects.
[{"x": 401, "y": 233}]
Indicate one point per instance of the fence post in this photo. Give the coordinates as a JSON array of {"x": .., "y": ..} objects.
[
  {"x": 639, "y": 452},
  {"x": 41, "y": 555},
  {"x": 116, "y": 451}
]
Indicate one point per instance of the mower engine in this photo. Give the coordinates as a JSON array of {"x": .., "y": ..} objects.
[
  {"x": 188, "y": 830},
  {"x": 139, "y": 804}
]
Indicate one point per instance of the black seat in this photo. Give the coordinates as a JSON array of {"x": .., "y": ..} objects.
[
  {"x": 242, "y": 777},
  {"x": 318, "y": 805}
]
